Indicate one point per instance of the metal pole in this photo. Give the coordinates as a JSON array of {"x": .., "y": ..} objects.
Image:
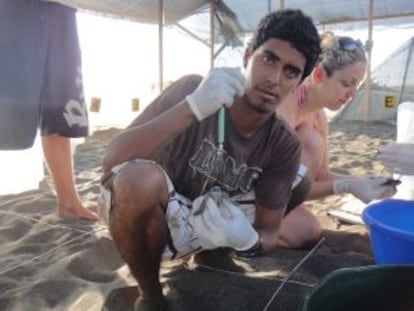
[
  {"x": 212, "y": 30},
  {"x": 282, "y": 4},
  {"x": 161, "y": 44},
  {"x": 407, "y": 65},
  {"x": 368, "y": 45}
]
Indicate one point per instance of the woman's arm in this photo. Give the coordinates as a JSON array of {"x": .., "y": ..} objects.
[{"x": 321, "y": 176}]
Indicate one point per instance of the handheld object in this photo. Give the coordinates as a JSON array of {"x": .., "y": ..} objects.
[{"x": 392, "y": 182}]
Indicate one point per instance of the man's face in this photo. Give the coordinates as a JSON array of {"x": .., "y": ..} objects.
[{"x": 273, "y": 71}]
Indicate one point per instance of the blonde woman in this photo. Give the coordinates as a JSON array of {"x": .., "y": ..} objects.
[{"x": 332, "y": 84}]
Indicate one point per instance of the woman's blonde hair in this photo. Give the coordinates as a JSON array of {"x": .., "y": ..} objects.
[{"x": 338, "y": 52}]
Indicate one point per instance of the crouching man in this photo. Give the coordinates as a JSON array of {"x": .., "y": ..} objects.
[{"x": 172, "y": 189}]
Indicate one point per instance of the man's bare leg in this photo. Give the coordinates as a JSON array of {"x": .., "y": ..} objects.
[
  {"x": 58, "y": 157},
  {"x": 137, "y": 224}
]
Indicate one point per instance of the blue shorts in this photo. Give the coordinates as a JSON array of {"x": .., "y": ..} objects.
[{"x": 40, "y": 78}]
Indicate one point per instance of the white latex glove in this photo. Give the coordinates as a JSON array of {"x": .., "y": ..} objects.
[
  {"x": 398, "y": 158},
  {"x": 221, "y": 224},
  {"x": 218, "y": 88},
  {"x": 365, "y": 188}
]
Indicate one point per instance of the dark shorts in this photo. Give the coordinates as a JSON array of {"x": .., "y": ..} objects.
[{"x": 40, "y": 73}]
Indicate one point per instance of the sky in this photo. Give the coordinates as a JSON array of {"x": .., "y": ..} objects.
[{"x": 120, "y": 60}]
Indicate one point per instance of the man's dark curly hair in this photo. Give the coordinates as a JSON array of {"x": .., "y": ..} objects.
[{"x": 293, "y": 26}]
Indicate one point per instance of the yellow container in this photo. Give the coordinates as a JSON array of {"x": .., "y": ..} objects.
[
  {"x": 135, "y": 104},
  {"x": 95, "y": 104}
]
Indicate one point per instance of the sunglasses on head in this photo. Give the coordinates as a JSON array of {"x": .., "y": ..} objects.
[
  {"x": 350, "y": 45},
  {"x": 344, "y": 51}
]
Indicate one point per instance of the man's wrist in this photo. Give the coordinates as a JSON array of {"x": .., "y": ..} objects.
[{"x": 194, "y": 108}]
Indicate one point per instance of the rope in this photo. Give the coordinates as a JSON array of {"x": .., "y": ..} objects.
[
  {"x": 102, "y": 228},
  {"x": 278, "y": 290},
  {"x": 250, "y": 276},
  {"x": 64, "y": 226},
  {"x": 58, "y": 247}
]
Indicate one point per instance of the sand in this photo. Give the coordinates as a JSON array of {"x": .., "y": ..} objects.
[{"x": 50, "y": 264}]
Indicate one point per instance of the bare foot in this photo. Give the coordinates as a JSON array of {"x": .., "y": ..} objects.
[{"x": 77, "y": 213}]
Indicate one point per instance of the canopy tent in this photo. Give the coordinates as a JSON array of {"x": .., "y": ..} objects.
[
  {"x": 194, "y": 15},
  {"x": 392, "y": 82},
  {"x": 143, "y": 11},
  {"x": 235, "y": 18}
]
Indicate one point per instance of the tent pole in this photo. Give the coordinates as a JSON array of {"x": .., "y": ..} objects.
[
  {"x": 191, "y": 34},
  {"x": 368, "y": 46},
  {"x": 161, "y": 44},
  {"x": 212, "y": 31},
  {"x": 407, "y": 65}
]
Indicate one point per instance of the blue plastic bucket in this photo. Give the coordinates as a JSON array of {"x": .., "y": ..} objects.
[{"x": 391, "y": 226}]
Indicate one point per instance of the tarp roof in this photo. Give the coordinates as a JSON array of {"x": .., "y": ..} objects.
[
  {"x": 144, "y": 11},
  {"x": 234, "y": 18},
  {"x": 248, "y": 12}
]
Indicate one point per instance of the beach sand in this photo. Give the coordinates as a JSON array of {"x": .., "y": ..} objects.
[{"x": 50, "y": 264}]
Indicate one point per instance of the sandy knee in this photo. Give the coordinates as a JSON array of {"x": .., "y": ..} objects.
[{"x": 299, "y": 227}]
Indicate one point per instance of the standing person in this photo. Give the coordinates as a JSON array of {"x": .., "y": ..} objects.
[
  {"x": 41, "y": 87},
  {"x": 161, "y": 173},
  {"x": 333, "y": 83}
]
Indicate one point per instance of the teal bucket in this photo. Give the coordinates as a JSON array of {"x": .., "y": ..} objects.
[
  {"x": 376, "y": 288},
  {"x": 391, "y": 227}
]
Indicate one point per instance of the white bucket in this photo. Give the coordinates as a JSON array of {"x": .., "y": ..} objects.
[
  {"x": 405, "y": 134},
  {"x": 21, "y": 170}
]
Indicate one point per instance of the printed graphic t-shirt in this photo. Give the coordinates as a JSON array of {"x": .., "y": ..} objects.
[{"x": 266, "y": 162}]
